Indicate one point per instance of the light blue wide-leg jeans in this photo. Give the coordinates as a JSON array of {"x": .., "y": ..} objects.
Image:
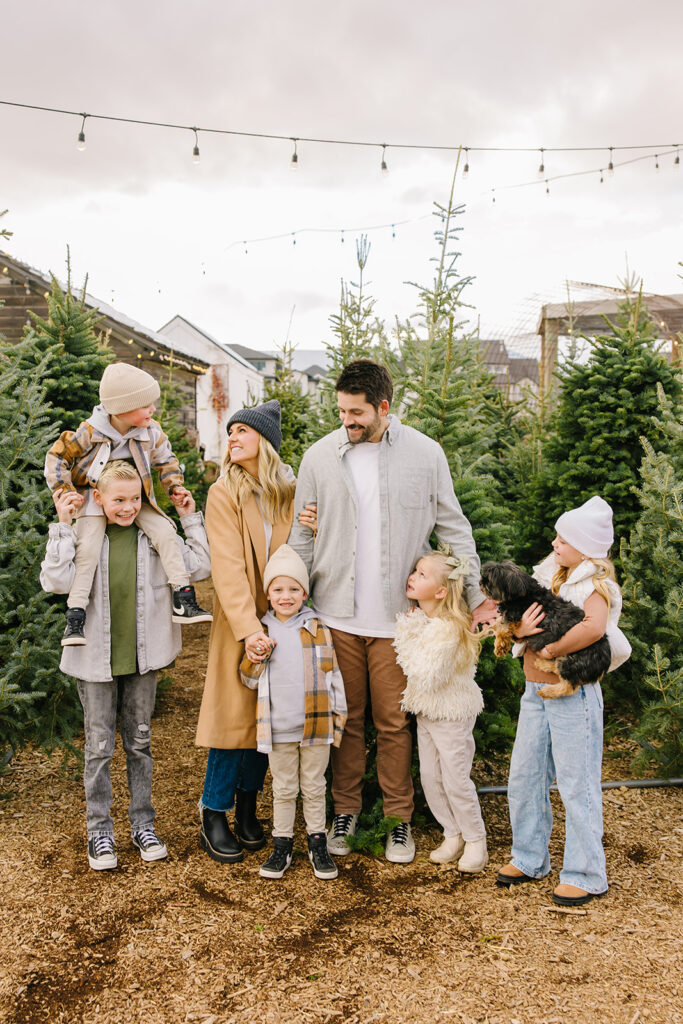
[{"x": 559, "y": 738}]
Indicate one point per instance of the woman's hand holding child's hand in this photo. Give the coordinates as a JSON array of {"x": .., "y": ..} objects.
[
  {"x": 529, "y": 623},
  {"x": 67, "y": 504},
  {"x": 258, "y": 646}
]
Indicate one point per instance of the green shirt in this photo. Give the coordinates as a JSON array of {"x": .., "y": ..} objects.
[{"x": 123, "y": 553}]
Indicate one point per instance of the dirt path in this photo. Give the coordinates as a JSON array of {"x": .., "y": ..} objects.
[{"x": 191, "y": 940}]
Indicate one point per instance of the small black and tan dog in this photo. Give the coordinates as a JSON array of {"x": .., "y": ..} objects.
[{"x": 514, "y": 590}]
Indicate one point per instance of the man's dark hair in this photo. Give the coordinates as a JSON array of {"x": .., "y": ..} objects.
[{"x": 366, "y": 377}]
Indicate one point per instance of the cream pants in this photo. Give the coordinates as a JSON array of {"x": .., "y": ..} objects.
[
  {"x": 446, "y": 753},
  {"x": 295, "y": 768},
  {"x": 90, "y": 530}
]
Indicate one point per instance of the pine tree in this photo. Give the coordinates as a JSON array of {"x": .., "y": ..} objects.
[
  {"x": 299, "y": 418},
  {"x": 359, "y": 334},
  {"x": 76, "y": 358},
  {"x": 653, "y": 594},
  {"x": 605, "y": 405},
  {"x": 37, "y": 703}
]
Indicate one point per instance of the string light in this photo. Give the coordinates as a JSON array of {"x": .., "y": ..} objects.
[
  {"x": 294, "y": 162},
  {"x": 541, "y": 166},
  {"x": 383, "y": 166},
  {"x": 80, "y": 144},
  {"x": 547, "y": 187},
  {"x": 195, "y": 151},
  {"x": 601, "y": 176},
  {"x": 466, "y": 168},
  {"x": 610, "y": 165},
  {"x": 656, "y": 161},
  {"x": 677, "y": 160}
]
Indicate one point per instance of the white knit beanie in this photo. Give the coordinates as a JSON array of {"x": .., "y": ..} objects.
[
  {"x": 588, "y": 528},
  {"x": 124, "y": 387},
  {"x": 285, "y": 562}
]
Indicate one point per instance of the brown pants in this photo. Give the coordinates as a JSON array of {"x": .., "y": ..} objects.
[{"x": 369, "y": 663}]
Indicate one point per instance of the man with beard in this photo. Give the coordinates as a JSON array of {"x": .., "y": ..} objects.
[{"x": 381, "y": 490}]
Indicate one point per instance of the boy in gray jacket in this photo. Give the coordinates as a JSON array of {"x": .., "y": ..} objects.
[{"x": 131, "y": 636}]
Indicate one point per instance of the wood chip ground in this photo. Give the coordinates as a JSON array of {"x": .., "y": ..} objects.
[{"x": 189, "y": 940}]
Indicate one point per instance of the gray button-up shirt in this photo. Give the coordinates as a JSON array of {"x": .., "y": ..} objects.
[{"x": 416, "y": 499}]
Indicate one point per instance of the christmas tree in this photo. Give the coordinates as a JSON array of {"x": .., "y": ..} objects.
[
  {"x": 299, "y": 418},
  {"x": 37, "y": 703},
  {"x": 653, "y": 594},
  {"x": 75, "y": 356},
  {"x": 605, "y": 405}
]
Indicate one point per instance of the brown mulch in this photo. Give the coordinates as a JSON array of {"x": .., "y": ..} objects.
[{"x": 190, "y": 940}]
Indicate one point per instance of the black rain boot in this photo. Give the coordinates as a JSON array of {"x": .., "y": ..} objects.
[
  {"x": 216, "y": 837},
  {"x": 248, "y": 828}
]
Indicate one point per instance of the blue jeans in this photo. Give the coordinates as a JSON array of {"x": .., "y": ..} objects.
[
  {"x": 228, "y": 770},
  {"x": 563, "y": 738},
  {"x": 99, "y": 711}
]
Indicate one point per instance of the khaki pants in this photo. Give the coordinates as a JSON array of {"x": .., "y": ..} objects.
[
  {"x": 90, "y": 530},
  {"x": 295, "y": 768},
  {"x": 446, "y": 753},
  {"x": 368, "y": 665}
]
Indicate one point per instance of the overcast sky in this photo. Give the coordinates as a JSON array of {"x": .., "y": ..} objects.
[{"x": 156, "y": 234}]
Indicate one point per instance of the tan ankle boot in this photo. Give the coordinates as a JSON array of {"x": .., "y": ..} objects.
[
  {"x": 450, "y": 849},
  {"x": 475, "y": 858}
]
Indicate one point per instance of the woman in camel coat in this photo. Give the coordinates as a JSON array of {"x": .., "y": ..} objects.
[{"x": 248, "y": 516}]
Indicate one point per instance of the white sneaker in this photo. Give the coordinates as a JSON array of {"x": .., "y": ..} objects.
[
  {"x": 400, "y": 847},
  {"x": 343, "y": 825},
  {"x": 450, "y": 849},
  {"x": 475, "y": 858}
]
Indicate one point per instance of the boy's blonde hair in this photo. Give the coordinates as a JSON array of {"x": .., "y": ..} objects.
[
  {"x": 453, "y": 606},
  {"x": 274, "y": 491},
  {"x": 117, "y": 469},
  {"x": 604, "y": 570}
]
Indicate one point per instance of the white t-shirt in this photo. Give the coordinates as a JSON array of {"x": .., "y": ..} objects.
[{"x": 370, "y": 617}]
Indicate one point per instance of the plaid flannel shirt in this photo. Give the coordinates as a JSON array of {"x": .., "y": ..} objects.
[{"x": 324, "y": 699}]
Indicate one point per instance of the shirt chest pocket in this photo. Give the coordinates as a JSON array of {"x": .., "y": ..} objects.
[{"x": 416, "y": 489}]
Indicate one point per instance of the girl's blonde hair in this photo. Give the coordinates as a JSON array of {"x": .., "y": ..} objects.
[
  {"x": 117, "y": 469},
  {"x": 453, "y": 606},
  {"x": 604, "y": 570},
  {"x": 274, "y": 491}
]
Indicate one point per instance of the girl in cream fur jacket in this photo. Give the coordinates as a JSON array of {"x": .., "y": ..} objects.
[{"x": 438, "y": 653}]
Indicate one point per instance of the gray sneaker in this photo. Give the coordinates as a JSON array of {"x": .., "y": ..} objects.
[
  {"x": 400, "y": 847},
  {"x": 343, "y": 825}
]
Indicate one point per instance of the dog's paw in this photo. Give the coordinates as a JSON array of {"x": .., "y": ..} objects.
[{"x": 546, "y": 665}]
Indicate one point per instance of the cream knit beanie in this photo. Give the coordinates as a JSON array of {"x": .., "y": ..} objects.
[
  {"x": 124, "y": 388},
  {"x": 588, "y": 528},
  {"x": 285, "y": 562}
]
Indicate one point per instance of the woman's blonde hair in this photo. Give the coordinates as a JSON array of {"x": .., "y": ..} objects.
[
  {"x": 117, "y": 469},
  {"x": 274, "y": 491},
  {"x": 452, "y": 605},
  {"x": 604, "y": 570}
]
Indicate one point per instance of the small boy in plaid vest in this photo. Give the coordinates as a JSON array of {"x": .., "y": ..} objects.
[{"x": 301, "y": 711}]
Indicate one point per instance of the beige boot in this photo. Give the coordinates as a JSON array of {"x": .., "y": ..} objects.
[
  {"x": 475, "y": 858},
  {"x": 450, "y": 849}
]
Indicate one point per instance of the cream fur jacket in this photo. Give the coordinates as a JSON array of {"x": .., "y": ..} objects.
[{"x": 439, "y": 670}]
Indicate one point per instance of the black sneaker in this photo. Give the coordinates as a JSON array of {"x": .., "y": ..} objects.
[
  {"x": 102, "y": 853},
  {"x": 323, "y": 865},
  {"x": 149, "y": 844},
  {"x": 75, "y": 624},
  {"x": 280, "y": 858},
  {"x": 185, "y": 607}
]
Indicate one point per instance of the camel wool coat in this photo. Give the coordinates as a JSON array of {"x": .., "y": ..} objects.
[{"x": 237, "y": 541}]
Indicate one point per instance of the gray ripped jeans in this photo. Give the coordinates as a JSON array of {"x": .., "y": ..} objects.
[{"x": 99, "y": 708}]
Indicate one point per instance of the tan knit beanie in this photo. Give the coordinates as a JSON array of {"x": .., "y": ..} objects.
[
  {"x": 285, "y": 562},
  {"x": 124, "y": 388}
]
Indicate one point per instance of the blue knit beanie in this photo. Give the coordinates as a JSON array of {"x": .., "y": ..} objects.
[{"x": 263, "y": 418}]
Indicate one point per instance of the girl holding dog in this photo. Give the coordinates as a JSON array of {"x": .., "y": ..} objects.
[
  {"x": 438, "y": 653},
  {"x": 562, "y": 737}
]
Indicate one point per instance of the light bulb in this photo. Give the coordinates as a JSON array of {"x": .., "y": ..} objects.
[
  {"x": 195, "y": 151},
  {"x": 466, "y": 168},
  {"x": 610, "y": 165},
  {"x": 677, "y": 160},
  {"x": 541, "y": 166},
  {"x": 294, "y": 162},
  {"x": 80, "y": 145},
  {"x": 383, "y": 166}
]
